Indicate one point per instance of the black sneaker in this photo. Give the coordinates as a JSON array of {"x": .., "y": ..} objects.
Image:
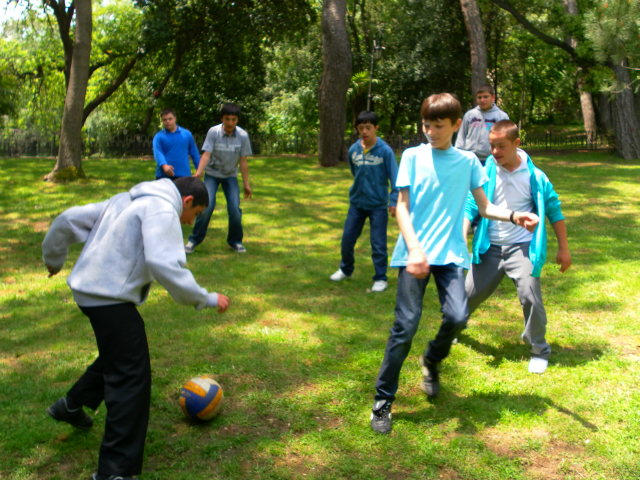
[
  {"x": 78, "y": 418},
  {"x": 430, "y": 379},
  {"x": 381, "y": 417},
  {"x": 95, "y": 476}
]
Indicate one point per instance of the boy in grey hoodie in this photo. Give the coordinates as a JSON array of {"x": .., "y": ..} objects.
[
  {"x": 473, "y": 135},
  {"x": 130, "y": 240}
]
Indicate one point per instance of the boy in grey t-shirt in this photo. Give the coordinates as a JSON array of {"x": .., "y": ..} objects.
[{"x": 226, "y": 147}]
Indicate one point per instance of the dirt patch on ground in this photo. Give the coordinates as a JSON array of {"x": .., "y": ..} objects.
[{"x": 544, "y": 458}]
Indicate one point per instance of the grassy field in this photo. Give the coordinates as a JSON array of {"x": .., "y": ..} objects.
[{"x": 298, "y": 355}]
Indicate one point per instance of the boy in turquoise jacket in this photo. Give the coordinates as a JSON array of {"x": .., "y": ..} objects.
[{"x": 501, "y": 249}]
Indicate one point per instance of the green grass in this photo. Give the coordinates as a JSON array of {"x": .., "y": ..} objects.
[{"x": 297, "y": 355}]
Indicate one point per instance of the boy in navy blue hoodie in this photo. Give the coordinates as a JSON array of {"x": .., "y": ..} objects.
[{"x": 374, "y": 165}]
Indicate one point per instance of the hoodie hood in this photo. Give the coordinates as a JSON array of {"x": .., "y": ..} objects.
[{"x": 163, "y": 188}]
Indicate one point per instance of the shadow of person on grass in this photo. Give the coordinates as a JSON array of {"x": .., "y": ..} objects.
[
  {"x": 486, "y": 409},
  {"x": 518, "y": 350}
]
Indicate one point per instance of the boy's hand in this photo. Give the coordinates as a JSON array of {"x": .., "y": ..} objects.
[
  {"x": 223, "y": 303},
  {"x": 52, "y": 272},
  {"x": 247, "y": 191},
  {"x": 392, "y": 211},
  {"x": 417, "y": 264},
  {"x": 168, "y": 169},
  {"x": 563, "y": 258},
  {"x": 526, "y": 220}
]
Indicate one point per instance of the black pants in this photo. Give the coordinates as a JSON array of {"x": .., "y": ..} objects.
[{"x": 121, "y": 376}]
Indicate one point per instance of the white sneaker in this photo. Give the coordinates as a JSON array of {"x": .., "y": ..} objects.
[
  {"x": 379, "y": 286},
  {"x": 189, "y": 247},
  {"x": 339, "y": 276},
  {"x": 238, "y": 248},
  {"x": 538, "y": 365}
]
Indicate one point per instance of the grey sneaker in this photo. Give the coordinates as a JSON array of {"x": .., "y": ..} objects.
[
  {"x": 189, "y": 247},
  {"x": 430, "y": 379},
  {"x": 381, "y": 421},
  {"x": 238, "y": 248},
  {"x": 379, "y": 286},
  {"x": 61, "y": 413}
]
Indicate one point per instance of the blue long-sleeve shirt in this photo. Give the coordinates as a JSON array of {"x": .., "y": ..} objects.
[
  {"x": 174, "y": 148},
  {"x": 547, "y": 204},
  {"x": 373, "y": 172}
]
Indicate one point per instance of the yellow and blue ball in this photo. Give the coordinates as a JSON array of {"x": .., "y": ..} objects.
[{"x": 201, "y": 398}]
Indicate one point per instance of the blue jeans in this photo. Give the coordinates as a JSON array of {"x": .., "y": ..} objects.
[
  {"x": 455, "y": 313},
  {"x": 378, "y": 220},
  {"x": 232, "y": 194}
]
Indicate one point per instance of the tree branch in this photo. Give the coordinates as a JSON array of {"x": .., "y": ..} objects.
[{"x": 532, "y": 29}]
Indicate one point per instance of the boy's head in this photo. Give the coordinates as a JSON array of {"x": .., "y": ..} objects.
[
  {"x": 485, "y": 96},
  {"x": 367, "y": 126},
  {"x": 168, "y": 117},
  {"x": 441, "y": 118},
  {"x": 504, "y": 138},
  {"x": 195, "y": 198},
  {"x": 230, "y": 113}
]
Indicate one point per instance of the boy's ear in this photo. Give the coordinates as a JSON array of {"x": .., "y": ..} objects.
[
  {"x": 516, "y": 142},
  {"x": 187, "y": 201},
  {"x": 456, "y": 126},
  {"x": 377, "y": 127}
]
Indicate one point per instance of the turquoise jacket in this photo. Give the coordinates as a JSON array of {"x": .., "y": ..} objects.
[{"x": 546, "y": 201}]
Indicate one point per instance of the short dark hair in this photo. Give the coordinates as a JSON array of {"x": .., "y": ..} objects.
[
  {"x": 194, "y": 187},
  {"x": 367, "y": 116},
  {"x": 167, "y": 111},
  {"x": 230, "y": 109},
  {"x": 507, "y": 128},
  {"x": 485, "y": 89},
  {"x": 440, "y": 106}
]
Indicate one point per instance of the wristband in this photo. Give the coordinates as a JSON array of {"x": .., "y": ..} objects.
[{"x": 511, "y": 217}]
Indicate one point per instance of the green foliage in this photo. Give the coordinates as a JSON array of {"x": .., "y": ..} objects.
[
  {"x": 613, "y": 29},
  {"x": 297, "y": 355}
]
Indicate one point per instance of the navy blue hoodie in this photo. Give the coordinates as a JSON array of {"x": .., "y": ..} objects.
[{"x": 373, "y": 171}]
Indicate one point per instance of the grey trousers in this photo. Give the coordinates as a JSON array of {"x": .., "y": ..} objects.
[{"x": 512, "y": 261}]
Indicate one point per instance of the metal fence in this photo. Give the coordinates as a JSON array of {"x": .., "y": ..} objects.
[{"x": 264, "y": 144}]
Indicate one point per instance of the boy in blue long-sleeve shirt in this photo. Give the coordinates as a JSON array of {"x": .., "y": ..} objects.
[
  {"x": 501, "y": 249},
  {"x": 172, "y": 147},
  {"x": 374, "y": 165}
]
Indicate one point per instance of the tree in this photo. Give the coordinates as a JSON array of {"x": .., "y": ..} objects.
[
  {"x": 69, "y": 164},
  {"x": 473, "y": 21},
  {"x": 336, "y": 74}
]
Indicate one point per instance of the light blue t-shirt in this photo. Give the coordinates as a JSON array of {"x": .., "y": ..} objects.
[
  {"x": 225, "y": 151},
  {"x": 438, "y": 182}
]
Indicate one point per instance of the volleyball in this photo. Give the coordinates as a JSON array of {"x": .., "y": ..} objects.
[{"x": 201, "y": 398}]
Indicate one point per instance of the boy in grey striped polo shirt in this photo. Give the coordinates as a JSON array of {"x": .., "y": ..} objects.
[{"x": 226, "y": 147}]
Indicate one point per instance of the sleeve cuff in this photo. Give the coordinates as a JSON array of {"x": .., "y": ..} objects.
[{"x": 212, "y": 300}]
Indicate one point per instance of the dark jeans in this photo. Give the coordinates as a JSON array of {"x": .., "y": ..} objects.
[
  {"x": 378, "y": 219},
  {"x": 453, "y": 300},
  {"x": 232, "y": 194},
  {"x": 121, "y": 376}
]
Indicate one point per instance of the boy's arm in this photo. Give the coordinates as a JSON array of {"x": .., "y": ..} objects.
[
  {"x": 72, "y": 226},
  {"x": 417, "y": 264},
  {"x": 465, "y": 227},
  {"x": 244, "y": 169},
  {"x": 193, "y": 153},
  {"x": 462, "y": 134},
  {"x": 165, "y": 258},
  {"x": 492, "y": 212},
  {"x": 204, "y": 161},
  {"x": 161, "y": 160},
  {"x": 563, "y": 258}
]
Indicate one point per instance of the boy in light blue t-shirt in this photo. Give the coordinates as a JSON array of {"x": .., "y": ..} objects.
[{"x": 434, "y": 181}]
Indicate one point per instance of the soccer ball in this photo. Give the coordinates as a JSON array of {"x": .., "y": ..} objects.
[{"x": 201, "y": 398}]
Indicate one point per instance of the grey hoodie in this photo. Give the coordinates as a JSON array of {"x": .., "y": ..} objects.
[
  {"x": 474, "y": 132},
  {"x": 130, "y": 240}
]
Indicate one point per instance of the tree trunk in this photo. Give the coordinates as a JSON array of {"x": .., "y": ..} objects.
[
  {"x": 336, "y": 75},
  {"x": 604, "y": 108},
  {"x": 473, "y": 21},
  {"x": 625, "y": 122},
  {"x": 69, "y": 164}
]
